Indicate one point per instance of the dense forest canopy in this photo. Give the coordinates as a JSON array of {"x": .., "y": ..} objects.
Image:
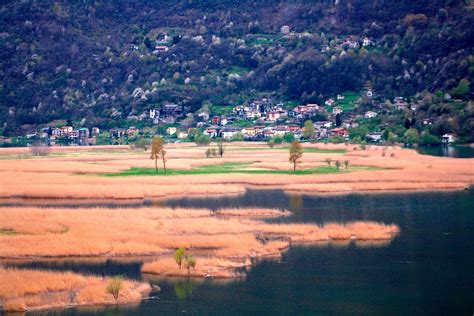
[{"x": 97, "y": 62}]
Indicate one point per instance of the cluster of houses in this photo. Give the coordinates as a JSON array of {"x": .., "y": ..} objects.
[
  {"x": 348, "y": 42},
  {"x": 66, "y": 134},
  {"x": 264, "y": 119},
  {"x": 271, "y": 120}
]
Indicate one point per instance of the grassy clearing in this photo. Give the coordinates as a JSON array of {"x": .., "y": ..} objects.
[
  {"x": 305, "y": 149},
  {"x": 231, "y": 167},
  {"x": 318, "y": 150}
]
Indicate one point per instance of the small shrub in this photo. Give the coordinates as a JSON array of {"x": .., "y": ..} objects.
[
  {"x": 39, "y": 149},
  {"x": 220, "y": 148},
  {"x": 328, "y": 161},
  {"x": 179, "y": 255},
  {"x": 277, "y": 139},
  {"x": 338, "y": 164},
  {"x": 392, "y": 155},
  {"x": 189, "y": 262},
  {"x": 114, "y": 286},
  {"x": 271, "y": 143},
  {"x": 202, "y": 140},
  {"x": 346, "y": 163},
  {"x": 208, "y": 152}
]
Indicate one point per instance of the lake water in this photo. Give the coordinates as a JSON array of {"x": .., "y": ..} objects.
[
  {"x": 427, "y": 270},
  {"x": 448, "y": 151}
]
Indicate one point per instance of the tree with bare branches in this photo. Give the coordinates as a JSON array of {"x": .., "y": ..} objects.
[
  {"x": 157, "y": 151},
  {"x": 296, "y": 152}
]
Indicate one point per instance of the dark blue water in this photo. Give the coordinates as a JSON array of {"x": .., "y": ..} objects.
[
  {"x": 448, "y": 151},
  {"x": 427, "y": 270}
]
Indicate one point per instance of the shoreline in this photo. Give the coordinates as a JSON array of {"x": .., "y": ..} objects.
[{"x": 144, "y": 201}]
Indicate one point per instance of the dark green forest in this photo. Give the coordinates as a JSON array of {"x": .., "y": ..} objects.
[{"x": 93, "y": 63}]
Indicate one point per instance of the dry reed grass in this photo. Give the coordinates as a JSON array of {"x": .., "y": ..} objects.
[
  {"x": 56, "y": 176},
  {"x": 26, "y": 289},
  {"x": 231, "y": 236}
]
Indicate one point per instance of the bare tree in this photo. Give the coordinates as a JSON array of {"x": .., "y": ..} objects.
[
  {"x": 157, "y": 151},
  {"x": 296, "y": 152},
  {"x": 39, "y": 148},
  {"x": 220, "y": 148},
  {"x": 328, "y": 161}
]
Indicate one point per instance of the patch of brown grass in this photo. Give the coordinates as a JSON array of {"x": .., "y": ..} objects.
[
  {"x": 26, "y": 289},
  {"x": 230, "y": 236},
  {"x": 57, "y": 176}
]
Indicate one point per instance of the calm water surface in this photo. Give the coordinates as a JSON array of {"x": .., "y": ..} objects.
[
  {"x": 427, "y": 270},
  {"x": 448, "y": 151}
]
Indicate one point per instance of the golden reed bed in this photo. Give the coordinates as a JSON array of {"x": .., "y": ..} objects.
[
  {"x": 224, "y": 242},
  {"x": 26, "y": 289},
  {"x": 74, "y": 172}
]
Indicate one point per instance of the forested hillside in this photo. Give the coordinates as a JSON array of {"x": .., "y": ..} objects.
[{"x": 95, "y": 63}]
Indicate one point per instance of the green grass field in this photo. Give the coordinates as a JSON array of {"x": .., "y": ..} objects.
[
  {"x": 233, "y": 167},
  {"x": 305, "y": 149}
]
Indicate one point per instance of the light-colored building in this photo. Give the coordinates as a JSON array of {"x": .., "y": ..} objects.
[
  {"x": 337, "y": 110},
  {"x": 171, "y": 130},
  {"x": 370, "y": 114},
  {"x": 285, "y": 29}
]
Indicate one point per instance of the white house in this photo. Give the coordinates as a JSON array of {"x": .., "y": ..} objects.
[
  {"x": 154, "y": 113},
  {"x": 375, "y": 137},
  {"x": 448, "y": 138},
  {"x": 370, "y": 114},
  {"x": 229, "y": 132},
  {"x": 322, "y": 124},
  {"x": 182, "y": 135},
  {"x": 329, "y": 102},
  {"x": 285, "y": 29},
  {"x": 337, "y": 110},
  {"x": 171, "y": 130},
  {"x": 366, "y": 42},
  {"x": 211, "y": 132}
]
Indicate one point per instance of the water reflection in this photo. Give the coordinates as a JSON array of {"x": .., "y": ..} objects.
[
  {"x": 128, "y": 267},
  {"x": 448, "y": 151}
]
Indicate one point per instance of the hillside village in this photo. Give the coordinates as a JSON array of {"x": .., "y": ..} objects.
[{"x": 260, "y": 120}]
